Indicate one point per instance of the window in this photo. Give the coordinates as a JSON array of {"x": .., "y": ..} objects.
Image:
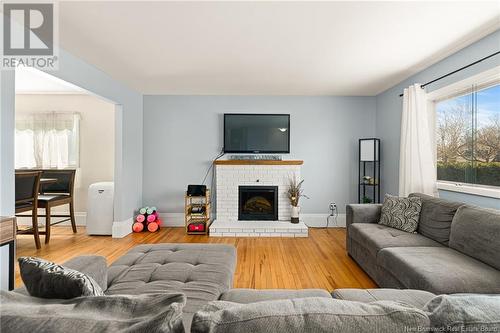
[
  {"x": 468, "y": 136},
  {"x": 47, "y": 140}
]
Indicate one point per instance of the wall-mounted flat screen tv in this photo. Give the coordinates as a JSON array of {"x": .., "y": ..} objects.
[{"x": 256, "y": 133}]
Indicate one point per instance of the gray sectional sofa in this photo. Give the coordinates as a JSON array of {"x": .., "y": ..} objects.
[
  {"x": 201, "y": 276},
  {"x": 456, "y": 248}
]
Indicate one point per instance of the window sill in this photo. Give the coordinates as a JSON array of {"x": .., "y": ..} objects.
[{"x": 484, "y": 191}]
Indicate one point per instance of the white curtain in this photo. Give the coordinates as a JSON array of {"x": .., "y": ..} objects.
[
  {"x": 417, "y": 158},
  {"x": 47, "y": 140}
]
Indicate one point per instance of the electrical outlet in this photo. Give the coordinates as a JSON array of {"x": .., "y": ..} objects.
[{"x": 332, "y": 207}]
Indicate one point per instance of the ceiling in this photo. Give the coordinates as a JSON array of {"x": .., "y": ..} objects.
[
  {"x": 270, "y": 48},
  {"x": 33, "y": 81}
]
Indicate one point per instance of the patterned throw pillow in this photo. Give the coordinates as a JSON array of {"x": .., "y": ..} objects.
[
  {"x": 46, "y": 279},
  {"x": 401, "y": 213}
]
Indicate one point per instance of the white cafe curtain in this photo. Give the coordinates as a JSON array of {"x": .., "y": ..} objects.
[
  {"x": 417, "y": 157},
  {"x": 47, "y": 140}
]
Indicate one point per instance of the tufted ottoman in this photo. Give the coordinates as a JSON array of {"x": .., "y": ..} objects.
[{"x": 201, "y": 271}]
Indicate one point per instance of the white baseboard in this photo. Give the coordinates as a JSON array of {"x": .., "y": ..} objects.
[
  {"x": 122, "y": 228},
  {"x": 172, "y": 219},
  {"x": 80, "y": 219},
  {"x": 319, "y": 220},
  {"x": 311, "y": 220}
]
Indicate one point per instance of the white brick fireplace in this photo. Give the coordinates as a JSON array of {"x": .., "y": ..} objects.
[{"x": 231, "y": 174}]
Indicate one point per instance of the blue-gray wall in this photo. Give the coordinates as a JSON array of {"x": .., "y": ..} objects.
[
  {"x": 182, "y": 134},
  {"x": 389, "y": 107}
]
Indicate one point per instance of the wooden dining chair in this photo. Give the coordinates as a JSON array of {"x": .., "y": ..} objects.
[
  {"x": 57, "y": 193},
  {"x": 27, "y": 184}
]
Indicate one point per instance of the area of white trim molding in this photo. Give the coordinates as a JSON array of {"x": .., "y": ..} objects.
[
  {"x": 319, "y": 220},
  {"x": 122, "y": 228},
  {"x": 80, "y": 219},
  {"x": 172, "y": 219},
  {"x": 484, "y": 191},
  {"x": 480, "y": 81},
  {"x": 311, "y": 220}
]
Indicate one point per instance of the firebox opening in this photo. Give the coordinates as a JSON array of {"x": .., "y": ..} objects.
[{"x": 258, "y": 203}]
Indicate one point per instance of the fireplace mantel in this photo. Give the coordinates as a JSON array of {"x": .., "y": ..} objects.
[{"x": 258, "y": 162}]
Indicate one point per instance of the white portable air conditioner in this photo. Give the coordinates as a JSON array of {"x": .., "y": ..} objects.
[{"x": 100, "y": 208}]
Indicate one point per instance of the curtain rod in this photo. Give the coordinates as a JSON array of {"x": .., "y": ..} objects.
[{"x": 458, "y": 70}]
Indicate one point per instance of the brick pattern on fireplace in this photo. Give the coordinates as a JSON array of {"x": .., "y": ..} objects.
[
  {"x": 229, "y": 177},
  {"x": 258, "y": 229}
]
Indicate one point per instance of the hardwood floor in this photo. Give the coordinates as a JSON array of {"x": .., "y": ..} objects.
[{"x": 319, "y": 261}]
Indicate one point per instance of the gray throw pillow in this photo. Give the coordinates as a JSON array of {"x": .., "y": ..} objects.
[
  {"x": 117, "y": 313},
  {"x": 46, "y": 279},
  {"x": 464, "y": 313},
  {"x": 308, "y": 315},
  {"x": 401, "y": 213}
]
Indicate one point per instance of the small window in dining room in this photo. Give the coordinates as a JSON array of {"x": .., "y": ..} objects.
[
  {"x": 468, "y": 136},
  {"x": 47, "y": 140}
]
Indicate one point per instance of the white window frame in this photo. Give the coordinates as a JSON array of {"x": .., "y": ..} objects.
[{"x": 482, "y": 80}]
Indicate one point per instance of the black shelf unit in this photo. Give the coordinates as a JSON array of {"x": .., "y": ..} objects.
[{"x": 369, "y": 165}]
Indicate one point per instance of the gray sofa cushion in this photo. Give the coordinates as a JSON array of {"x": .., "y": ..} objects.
[
  {"x": 307, "y": 315},
  {"x": 410, "y": 297},
  {"x": 435, "y": 217},
  {"x": 246, "y": 296},
  {"x": 360, "y": 213},
  {"x": 363, "y": 213},
  {"x": 464, "y": 313},
  {"x": 94, "y": 266},
  {"x": 401, "y": 213},
  {"x": 46, "y": 279},
  {"x": 476, "y": 232},
  {"x": 200, "y": 271},
  {"x": 144, "y": 313},
  {"x": 440, "y": 270},
  {"x": 375, "y": 237}
]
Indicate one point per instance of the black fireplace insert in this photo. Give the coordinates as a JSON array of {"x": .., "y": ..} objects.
[{"x": 258, "y": 203}]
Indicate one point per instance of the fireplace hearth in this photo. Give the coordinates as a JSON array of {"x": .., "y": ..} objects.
[{"x": 258, "y": 203}]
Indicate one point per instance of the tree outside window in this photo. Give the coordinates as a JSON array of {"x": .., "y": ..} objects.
[{"x": 468, "y": 138}]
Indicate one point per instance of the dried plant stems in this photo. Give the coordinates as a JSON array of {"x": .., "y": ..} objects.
[{"x": 295, "y": 192}]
